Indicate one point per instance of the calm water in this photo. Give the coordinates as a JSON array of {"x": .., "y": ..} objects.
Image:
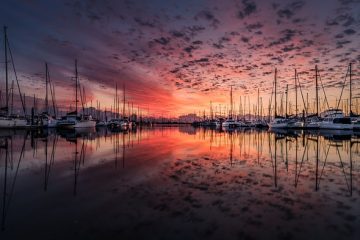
[{"x": 178, "y": 183}]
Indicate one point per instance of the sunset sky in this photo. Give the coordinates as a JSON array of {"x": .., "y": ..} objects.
[{"x": 176, "y": 56}]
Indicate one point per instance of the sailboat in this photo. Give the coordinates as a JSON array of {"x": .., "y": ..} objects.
[
  {"x": 355, "y": 117},
  {"x": 99, "y": 122},
  {"x": 72, "y": 120},
  {"x": 295, "y": 122},
  {"x": 334, "y": 118},
  {"x": 211, "y": 122},
  {"x": 259, "y": 123},
  {"x": 230, "y": 122},
  {"x": 278, "y": 121},
  {"x": 313, "y": 121},
  {"x": 7, "y": 121},
  {"x": 47, "y": 120},
  {"x": 117, "y": 122}
]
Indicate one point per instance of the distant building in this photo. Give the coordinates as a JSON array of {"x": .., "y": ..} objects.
[{"x": 189, "y": 118}]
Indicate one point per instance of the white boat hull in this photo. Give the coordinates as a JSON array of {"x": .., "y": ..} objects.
[
  {"x": 85, "y": 124},
  {"x": 278, "y": 125},
  {"x": 50, "y": 123},
  {"x": 13, "y": 123},
  {"x": 6, "y": 123},
  {"x": 312, "y": 125},
  {"x": 296, "y": 124},
  {"x": 230, "y": 124}
]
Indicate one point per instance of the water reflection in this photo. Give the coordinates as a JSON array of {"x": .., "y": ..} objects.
[{"x": 178, "y": 171}]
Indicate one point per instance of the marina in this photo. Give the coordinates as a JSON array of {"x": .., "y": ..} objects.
[
  {"x": 332, "y": 118},
  {"x": 156, "y": 120}
]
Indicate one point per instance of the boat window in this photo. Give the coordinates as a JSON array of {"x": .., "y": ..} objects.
[{"x": 342, "y": 120}]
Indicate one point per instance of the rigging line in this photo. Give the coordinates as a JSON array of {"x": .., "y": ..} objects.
[
  {"x": 342, "y": 166},
  {"x": 322, "y": 170},
  {"x": 79, "y": 89},
  {"x": 82, "y": 97},
  {"x": 85, "y": 141},
  {"x": 301, "y": 164},
  {"x": 17, "y": 81},
  {"x": 5, "y": 185},
  {"x": 78, "y": 164},
  {"x": 271, "y": 155},
  {"x": 271, "y": 97},
  {"x": 52, "y": 92},
  {"x": 322, "y": 86},
  {"x": 54, "y": 96},
  {"x": 342, "y": 89},
  {"x": 52, "y": 158},
  {"x": 302, "y": 96},
  {"x": 16, "y": 173}
]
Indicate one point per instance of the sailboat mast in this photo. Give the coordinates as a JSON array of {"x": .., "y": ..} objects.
[
  {"x": 34, "y": 103},
  {"x": 350, "y": 100},
  {"x": 275, "y": 92},
  {"x": 249, "y": 108},
  {"x": 258, "y": 104},
  {"x": 132, "y": 110},
  {"x": 240, "y": 106},
  {"x": 83, "y": 98},
  {"x": 316, "y": 88},
  {"x": 261, "y": 109},
  {"x": 286, "y": 101},
  {"x": 46, "y": 94},
  {"x": 124, "y": 101},
  {"x": 116, "y": 101},
  {"x": 296, "y": 95},
  {"x": 12, "y": 97},
  {"x": 6, "y": 72},
  {"x": 231, "y": 102},
  {"x": 307, "y": 103},
  {"x": 52, "y": 92},
  {"x": 24, "y": 104},
  {"x": 76, "y": 87}
]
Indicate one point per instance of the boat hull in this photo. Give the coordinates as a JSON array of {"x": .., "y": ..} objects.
[
  {"x": 278, "y": 125},
  {"x": 85, "y": 124},
  {"x": 325, "y": 125},
  {"x": 13, "y": 123},
  {"x": 50, "y": 123},
  {"x": 312, "y": 125},
  {"x": 296, "y": 125}
]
